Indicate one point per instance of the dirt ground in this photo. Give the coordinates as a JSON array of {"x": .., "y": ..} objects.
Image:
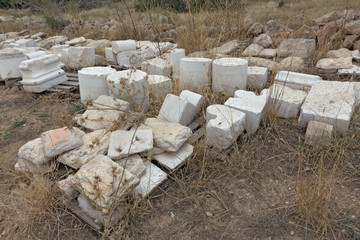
[{"x": 251, "y": 194}]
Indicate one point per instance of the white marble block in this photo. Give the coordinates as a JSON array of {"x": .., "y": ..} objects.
[
  {"x": 92, "y": 81},
  {"x": 157, "y": 66},
  {"x": 123, "y": 45},
  {"x": 130, "y": 85},
  {"x": 329, "y": 102},
  {"x": 78, "y": 57},
  {"x": 110, "y": 56},
  {"x": 195, "y": 100},
  {"x": 10, "y": 60},
  {"x": 176, "y": 55},
  {"x": 159, "y": 87},
  {"x": 223, "y": 125},
  {"x": 257, "y": 77},
  {"x": 25, "y": 43},
  {"x": 250, "y": 104},
  {"x": 174, "y": 160},
  {"x": 177, "y": 110},
  {"x": 287, "y": 101},
  {"x": 297, "y": 81},
  {"x": 229, "y": 75},
  {"x": 195, "y": 73}
]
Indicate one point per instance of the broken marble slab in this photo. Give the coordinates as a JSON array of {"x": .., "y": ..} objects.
[
  {"x": 159, "y": 87},
  {"x": 104, "y": 113},
  {"x": 33, "y": 151},
  {"x": 60, "y": 140},
  {"x": 152, "y": 178},
  {"x": 133, "y": 164},
  {"x": 168, "y": 136},
  {"x": 94, "y": 143},
  {"x": 174, "y": 160},
  {"x": 125, "y": 143},
  {"x": 330, "y": 102},
  {"x": 257, "y": 77},
  {"x": 157, "y": 66},
  {"x": 295, "y": 80},
  {"x": 104, "y": 183},
  {"x": 177, "y": 110}
]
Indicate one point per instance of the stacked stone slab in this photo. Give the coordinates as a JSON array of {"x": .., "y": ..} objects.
[
  {"x": 42, "y": 73},
  {"x": 10, "y": 60}
]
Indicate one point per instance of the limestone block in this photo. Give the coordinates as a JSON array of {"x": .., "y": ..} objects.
[
  {"x": 130, "y": 85},
  {"x": 106, "y": 219},
  {"x": 195, "y": 100},
  {"x": 93, "y": 83},
  {"x": 268, "y": 53},
  {"x": 25, "y": 43},
  {"x": 124, "y": 45},
  {"x": 65, "y": 186},
  {"x": 223, "y": 125},
  {"x": 76, "y": 41},
  {"x": 339, "y": 53},
  {"x": 103, "y": 182},
  {"x": 3, "y": 37},
  {"x": 263, "y": 40},
  {"x": 59, "y": 48},
  {"x": 110, "y": 55},
  {"x": 36, "y": 54},
  {"x": 227, "y": 48},
  {"x": 297, "y": 81},
  {"x": 195, "y": 73},
  {"x": 177, "y": 110},
  {"x": 104, "y": 113},
  {"x": 354, "y": 70},
  {"x": 94, "y": 143},
  {"x": 174, "y": 160},
  {"x": 176, "y": 55},
  {"x": 250, "y": 104},
  {"x": 257, "y": 77},
  {"x": 151, "y": 179},
  {"x": 353, "y": 27},
  {"x": 159, "y": 87},
  {"x": 229, "y": 75},
  {"x": 295, "y": 64},
  {"x": 262, "y": 62},
  {"x": 334, "y": 63},
  {"x": 10, "y": 59},
  {"x": 168, "y": 136},
  {"x": 286, "y": 100},
  {"x": 329, "y": 102},
  {"x": 78, "y": 57},
  {"x": 318, "y": 133},
  {"x": 157, "y": 66},
  {"x": 298, "y": 47},
  {"x": 252, "y": 50},
  {"x": 23, "y": 165},
  {"x": 125, "y": 143},
  {"x": 33, "y": 68},
  {"x": 33, "y": 151},
  {"x": 133, "y": 164}
]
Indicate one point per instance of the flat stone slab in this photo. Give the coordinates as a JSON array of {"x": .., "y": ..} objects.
[
  {"x": 223, "y": 125},
  {"x": 174, "y": 160},
  {"x": 295, "y": 80},
  {"x": 152, "y": 178},
  {"x": 329, "y": 102},
  {"x": 287, "y": 101},
  {"x": 335, "y": 63},
  {"x": 133, "y": 164},
  {"x": 125, "y": 143},
  {"x": 250, "y": 104}
]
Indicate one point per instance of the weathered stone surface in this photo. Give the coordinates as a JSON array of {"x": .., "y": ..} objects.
[
  {"x": 10, "y": 59},
  {"x": 333, "y": 16},
  {"x": 250, "y": 104},
  {"x": 124, "y": 45},
  {"x": 223, "y": 125},
  {"x": 159, "y": 87},
  {"x": 151, "y": 179},
  {"x": 195, "y": 100},
  {"x": 354, "y": 70},
  {"x": 255, "y": 29},
  {"x": 318, "y": 133},
  {"x": 305, "y": 32},
  {"x": 157, "y": 66},
  {"x": 65, "y": 186},
  {"x": 334, "y": 63},
  {"x": 78, "y": 57},
  {"x": 176, "y": 55},
  {"x": 295, "y": 64},
  {"x": 353, "y": 27},
  {"x": 125, "y": 143},
  {"x": 298, "y": 47},
  {"x": 61, "y": 140},
  {"x": 177, "y": 110},
  {"x": 262, "y": 62},
  {"x": 25, "y": 43},
  {"x": 295, "y": 80},
  {"x": 103, "y": 182},
  {"x": 51, "y": 41},
  {"x": 268, "y": 53},
  {"x": 33, "y": 151},
  {"x": 286, "y": 101},
  {"x": 94, "y": 143},
  {"x": 349, "y": 41},
  {"x": 356, "y": 45},
  {"x": 168, "y": 136},
  {"x": 195, "y": 73},
  {"x": 110, "y": 55},
  {"x": 104, "y": 113},
  {"x": 227, "y": 48},
  {"x": 100, "y": 44},
  {"x": 326, "y": 33},
  {"x": 257, "y": 77},
  {"x": 133, "y": 164},
  {"x": 340, "y": 53},
  {"x": 106, "y": 219},
  {"x": 252, "y": 50},
  {"x": 132, "y": 86},
  {"x": 24, "y": 165},
  {"x": 263, "y": 40},
  {"x": 174, "y": 160},
  {"x": 329, "y": 102},
  {"x": 76, "y": 41}
]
